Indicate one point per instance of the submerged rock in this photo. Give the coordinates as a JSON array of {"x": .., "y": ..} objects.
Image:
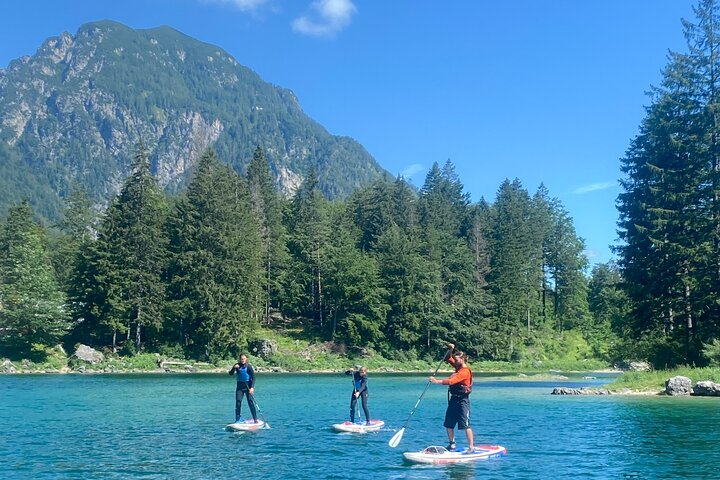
[{"x": 579, "y": 391}]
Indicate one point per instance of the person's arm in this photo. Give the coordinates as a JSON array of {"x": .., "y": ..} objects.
[
  {"x": 363, "y": 385},
  {"x": 349, "y": 372},
  {"x": 457, "y": 377},
  {"x": 233, "y": 370},
  {"x": 251, "y": 374}
]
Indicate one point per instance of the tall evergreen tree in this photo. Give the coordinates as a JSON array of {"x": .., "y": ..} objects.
[
  {"x": 32, "y": 305},
  {"x": 669, "y": 210},
  {"x": 309, "y": 231},
  {"x": 267, "y": 208},
  {"x": 353, "y": 298},
  {"x": 515, "y": 256},
  {"x": 216, "y": 269},
  {"x": 124, "y": 289}
]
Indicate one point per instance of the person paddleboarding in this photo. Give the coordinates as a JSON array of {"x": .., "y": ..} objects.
[
  {"x": 459, "y": 388},
  {"x": 245, "y": 386},
  {"x": 360, "y": 390}
]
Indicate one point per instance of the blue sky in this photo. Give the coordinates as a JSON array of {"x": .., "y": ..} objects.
[{"x": 545, "y": 91}]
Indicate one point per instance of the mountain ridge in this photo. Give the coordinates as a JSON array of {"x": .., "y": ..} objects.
[{"x": 77, "y": 110}]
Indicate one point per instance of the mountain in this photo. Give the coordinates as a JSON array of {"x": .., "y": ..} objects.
[{"x": 78, "y": 109}]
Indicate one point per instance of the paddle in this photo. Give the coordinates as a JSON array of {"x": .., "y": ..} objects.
[
  {"x": 395, "y": 440},
  {"x": 252, "y": 397}
]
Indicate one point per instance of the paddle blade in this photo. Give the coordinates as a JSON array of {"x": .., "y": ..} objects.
[{"x": 395, "y": 440}]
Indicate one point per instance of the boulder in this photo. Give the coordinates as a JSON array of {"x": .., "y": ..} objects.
[
  {"x": 7, "y": 367},
  {"x": 679, "y": 385},
  {"x": 263, "y": 348},
  {"x": 707, "y": 388},
  {"x": 88, "y": 354},
  {"x": 639, "y": 366}
]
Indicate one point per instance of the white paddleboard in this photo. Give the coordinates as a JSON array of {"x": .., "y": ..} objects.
[
  {"x": 243, "y": 425},
  {"x": 437, "y": 455},
  {"x": 360, "y": 427}
]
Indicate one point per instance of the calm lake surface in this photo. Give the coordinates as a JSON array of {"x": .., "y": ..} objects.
[{"x": 172, "y": 426}]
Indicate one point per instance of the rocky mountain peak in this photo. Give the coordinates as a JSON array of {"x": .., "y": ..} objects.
[{"x": 77, "y": 110}]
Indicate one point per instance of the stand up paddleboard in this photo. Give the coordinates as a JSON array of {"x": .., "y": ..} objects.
[
  {"x": 243, "y": 425},
  {"x": 361, "y": 427},
  {"x": 437, "y": 455}
]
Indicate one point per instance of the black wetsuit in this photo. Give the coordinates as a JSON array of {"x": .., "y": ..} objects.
[
  {"x": 361, "y": 387},
  {"x": 245, "y": 381}
]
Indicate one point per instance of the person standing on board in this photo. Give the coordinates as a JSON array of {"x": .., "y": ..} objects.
[
  {"x": 459, "y": 388},
  {"x": 245, "y": 386},
  {"x": 360, "y": 390}
]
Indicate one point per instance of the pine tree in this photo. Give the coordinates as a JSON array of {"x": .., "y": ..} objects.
[
  {"x": 121, "y": 275},
  {"x": 309, "y": 231},
  {"x": 215, "y": 276},
  {"x": 669, "y": 211},
  {"x": 267, "y": 208},
  {"x": 355, "y": 301},
  {"x": 515, "y": 256},
  {"x": 32, "y": 305}
]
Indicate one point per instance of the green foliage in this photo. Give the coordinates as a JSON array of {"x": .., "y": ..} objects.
[
  {"x": 655, "y": 380},
  {"x": 711, "y": 351},
  {"x": 670, "y": 207},
  {"x": 167, "y": 86},
  {"x": 215, "y": 279},
  {"x": 32, "y": 306}
]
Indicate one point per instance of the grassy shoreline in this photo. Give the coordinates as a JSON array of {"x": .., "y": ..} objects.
[{"x": 58, "y": 362}]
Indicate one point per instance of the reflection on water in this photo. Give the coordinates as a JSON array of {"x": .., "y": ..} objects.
[{"x": 172, "y": 426}]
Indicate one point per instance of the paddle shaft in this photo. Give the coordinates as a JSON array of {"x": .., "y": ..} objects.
[
  {"x": 425, "y": 389},
  {"x": 357, "y": 407},
  {"x": 252, "y": 397}
]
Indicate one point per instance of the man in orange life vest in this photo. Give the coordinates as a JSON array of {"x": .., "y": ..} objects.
[{"x": 459, "y": 388}]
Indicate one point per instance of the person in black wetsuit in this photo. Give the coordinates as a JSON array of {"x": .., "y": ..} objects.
[
  {"x": 245, "y": 386},
  {"x": 360, "y": 390}
]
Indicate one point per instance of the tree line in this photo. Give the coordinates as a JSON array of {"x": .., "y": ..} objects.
[
  {"x": 670, "y": 206},
  {"x": 391, "y": 268}
]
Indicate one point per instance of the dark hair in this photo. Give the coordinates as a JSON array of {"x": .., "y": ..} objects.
[{"x": 461, "y": 354}]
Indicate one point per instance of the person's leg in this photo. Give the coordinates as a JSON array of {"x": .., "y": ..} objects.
[
  {"x": 470, "y": 439},
  {"x": 464, "y": 421},
  {"x": 251, "y": 404},
  {"x": 450, "y": 421},
  {"x": 238, "y": 402},
  {"x": 364, "y": 397},
  {"x": 353, "y": 402},
  {"x": 451, "y": 436}
]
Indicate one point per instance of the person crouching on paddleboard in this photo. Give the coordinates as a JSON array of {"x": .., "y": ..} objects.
[
  {"x": 460, "y": 386},
  {"x": 245, "y": 386},
  {"x": 360, "y": 390}
]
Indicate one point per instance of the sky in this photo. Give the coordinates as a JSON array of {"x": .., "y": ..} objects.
[{"x": 545, "y": 91}]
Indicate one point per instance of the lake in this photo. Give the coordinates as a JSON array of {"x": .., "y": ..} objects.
[{"x": 172, "y": 426}]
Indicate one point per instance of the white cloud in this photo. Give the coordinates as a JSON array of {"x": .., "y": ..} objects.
[
  {"x": 411, "y": 170},
  {"x": 243, "y": 5},
  {"x": 326, "y": 18},
  {"x": 593, "y": 187}
]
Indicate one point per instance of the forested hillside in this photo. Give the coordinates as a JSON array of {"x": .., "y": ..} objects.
[
  {"x": 390, "y": 270},
  {"x": 73, "y": 113}
]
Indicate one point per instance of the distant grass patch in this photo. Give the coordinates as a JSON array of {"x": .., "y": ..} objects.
[{"x": 655, "y": 379}]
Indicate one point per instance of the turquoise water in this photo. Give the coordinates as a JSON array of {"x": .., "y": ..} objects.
[{"x": 171, "y": 426}]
